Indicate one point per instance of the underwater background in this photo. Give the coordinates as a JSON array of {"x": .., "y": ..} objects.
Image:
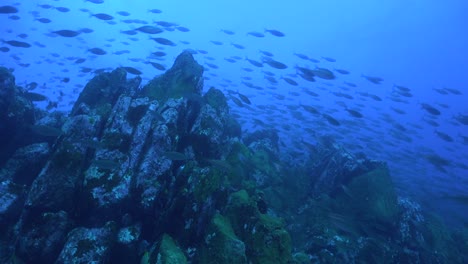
[{"x": 233, "y": 131}]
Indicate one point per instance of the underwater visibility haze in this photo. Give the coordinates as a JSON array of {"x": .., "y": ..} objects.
[{"x": 233, "y": 131}]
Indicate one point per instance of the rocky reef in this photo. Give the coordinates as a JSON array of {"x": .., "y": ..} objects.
[{"x": 163, "y": 174}]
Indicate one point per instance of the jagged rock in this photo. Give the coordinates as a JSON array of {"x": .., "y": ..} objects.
[
  {"x": 16, "y": 114},
  {"x": 331, "y": 166},
  {"x": 41, "y": 239},
  {"x": 88, "y": 245},
  {"x": 184, "y": 79},
  {"x": 221, "y": 245},
  {"x": 165, "y": 251}
]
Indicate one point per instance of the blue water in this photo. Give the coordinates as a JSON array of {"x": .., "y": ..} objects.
[{"x": 418, "y": 44}]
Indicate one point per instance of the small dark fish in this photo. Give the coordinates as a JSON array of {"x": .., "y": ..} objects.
[
  {"x": 341, "y": 71},
  {"x": 32, "y": 85},
  {"x": 310, "y": 109},
  {"x": 86, "y": 30},
  {"x": 62, "y": 9},
  {"x": 402, "y": 88},
  {"x": 373, "y": 79},
  {"x": 229, "y": 32},
  {"x": 463, "y": 119},
  {"x": 203, "y": 51},
  {"x": 80, "y": 60},
  {"x": 46, "y": 131},
  {"x": 103, "y": 16},
  {"x": 275, "y": 32},
  {"x": 158, "y": 54},
  {"x": 430, "y": 109},
  {"x": 256, "y": 34},
  {"x": 182, "y": 29},
  {"x": 14, "y": 17},
  {"x": 302, "y": 56},
  {"x": 323, "y": 73},
  {"x": 18, "y": 44},
  {"x": 350, "y": 84},
  {"x": 129, "y": 32},
  {"x": 290, "y": 81},
  {"x": 216, "y": 42},
  {"x": 44, "y": 20},
  {"x": 4, "y": 49},
  {"x": 453, "y": 91},
  {"x": 8, "y": 9},
  {"x": 95, "y": 1},
  {"x": 157, "y": 66},
  {"x": 255, "y": 63},
  {"x": 230, "y": 60},
  {"x": 149, "y": 29},
  {"x": 97, "y": 51},
  {"x": 237, "y": 101},
  {"x": 35, "y": 97},
  {"x": 331, "y": 120},
  {"x": 123, "y": 13},
  {"x": 211, "y": 65},
  {"x": 266, "y": 53},
  {"x": 444, "y": 136},
  {"x": 23, "y": 35},
  {"x": 174, "y": 155},
  {"x": 329, "y": 59},
  {"x": 274, "y": 64},
  {"x": 67, "y": 33},
  {"x": 164, "y": 41},
  {"x": 238, "y": 46},
  {"x": 132, "y": 70},
  {"x": 155, "y": 11},
  {"x": 244, "y": 98},
  {"x": 354, "y": 113},
  {"x": 166, "y": 24}
]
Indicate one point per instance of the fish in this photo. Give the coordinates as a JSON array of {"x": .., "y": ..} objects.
[
  {"x": 16, "y": 43},
  {"x": 164, "y": 41},
  {"x": 14, "y": 17},
  {"x": 444, "y": 136},
  {"x": 256, "y": 34},
  {"x": 331, "y": 120},
  {"x": 182, "y": 29},
  {"x": 130, "y": 32},
  {"x": 123, "y": 13},
  {"x": 290, "y": 81},
  {"x": 216, "y": 42},
  {"x": 302, "y": 56},
  {"x": 430, "y": 109},
  {"x": 155, "y": 11},
  {"x": 329, "y": 59},
  {"x": 229, "y": 32},
  {"x": 238, "y": 46},
  {"x": 159, "y": 54},
  {"x": 463, "y": 119},
  {"x": 174, "y": 155},
  {"x": 254, "y": 62},
  {"x": 149, "y": 29},
  {"x": 43, "y": 20},
  {"x": 341, "y": 71},
  {"x": 8, "y": 9},
  {"x": 354, "y": 113},
  {"x": 453, "y": 91},
  {"x": 86, "y": 30},
  {"x": 157, "y": 66},
  {"x": 62, "y": 9},
  {"x": 95, "y": 1},
  {"x": 275, "y": 32},
  {"x": 166, "y": 24},
  {"x": 310, "y": 109},
  {"x": 132, "y": 70},
  {"x": 372, "y": 79},
  {"x": 324, "y": 73},
  {"x": 4, "y": 49},
  {"x": 244, "y": 98},
  {"x": 274, "y": 64},
  {"x": 102, "y": 16},
  {"x": 66, "y": 33},
  {"x": 97, "y": 51}
]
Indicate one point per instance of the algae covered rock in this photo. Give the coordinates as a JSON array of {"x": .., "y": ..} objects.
[
  {"x": 184, "y": 79},
  {"x": 221, "y": 244}
]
